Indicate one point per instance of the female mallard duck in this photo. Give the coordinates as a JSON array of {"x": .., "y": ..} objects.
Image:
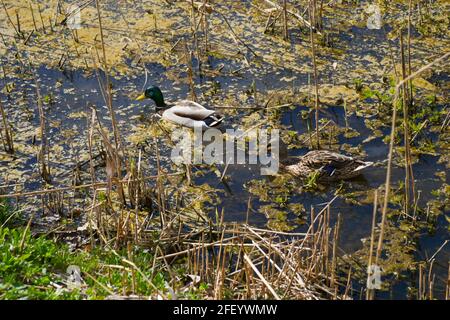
[
  {"x": 328, "y": 165},
  {"x": 184, "y": 112}
]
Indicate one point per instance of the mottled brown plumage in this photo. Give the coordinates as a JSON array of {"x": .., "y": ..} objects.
[{"x": 330, "y": 166}]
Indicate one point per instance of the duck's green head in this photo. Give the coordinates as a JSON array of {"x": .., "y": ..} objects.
[{"x": 155, "y": 94}]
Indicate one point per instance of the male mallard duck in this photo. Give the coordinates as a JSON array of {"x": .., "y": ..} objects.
[
  {"x": 330, "y": 166},
  {"x": 184, "y": 112}
]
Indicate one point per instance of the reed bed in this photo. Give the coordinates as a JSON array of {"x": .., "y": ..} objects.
[{"x": 238, "y": 261}]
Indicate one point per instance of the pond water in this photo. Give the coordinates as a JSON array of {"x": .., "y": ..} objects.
[
  {"x": 350, "y": 52},
  {"x": 356, "y": 219}
]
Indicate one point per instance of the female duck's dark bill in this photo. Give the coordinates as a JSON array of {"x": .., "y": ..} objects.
[{"x": 141, "y": 97}]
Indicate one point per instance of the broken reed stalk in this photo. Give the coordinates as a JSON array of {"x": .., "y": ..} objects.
[
  {"x": 320, "y": 16},
  {"x": 345, "y": 115},
  {"x": 222, "y": 269},
  {"x": 334, "y": 256},
  {"x": 108, "y": 84},
  {"x": 419, "y": 293},
  {"x": 205, "y": 25},
  {"x": 249, "y": 205},
  {"x": 97, "y": 73},
  {"x": 42, "y": 19},
  {"x": 194, "y": 36},
  {"x": 419, "y": 13},
  {"x": 9, "y": 146},
  {"x": 28, "y": 37},
  {"x": 269, "y": 22},
  {"x": 447, "y": 287},
  {"x": 155, "y": 23},
  {"x": 90, "y": 125},
  {"x": 409, "y": 53},
  {"x": 108, "y": 90},
  {"x": 6, "y": 45},
  {"x": 219, "y": 281},
  {"x": 18, "y": 21},
  {"x": 50, "y": 23},
  {"x": 369, "y": 292},
  {"x": 285, "y": 21},
  {"x": 348, "y": 285},
  {"x": 159, "y": 187},
  {"x": 324, "y": 243},
  {"x": 316, "y": 86},
  {"x": 313, "y": 21},
  {"x": 136, "y": 212},
  {"x": 430, "y": 281},
  {"x": 43, "y": 151},
  {"x": 391, "y": 147},
  {"x": 408, "y": 165},
  {"x": 190, "y": 70}
]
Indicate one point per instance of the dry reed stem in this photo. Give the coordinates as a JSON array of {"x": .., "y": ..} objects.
[
  {"x": 108, "y": 85},
  {"x": 266, "y": 283},
  {"x": 316, "y": 85},
  {"x": 447, "y": 287},
  {"x": 43, "y": 151},
  {"x": 408, "y": 166},
  {"x": 285, "y": 21},
  {"x": 194, "y": 30},
  {"x": 205, "y": 25},
  {"x": 409, "y": 52},
  {"x": 391, "y": 147},
  {"x": 334, "y": 256},
  {"x": 9, "y": 146},
  {"x": 18, "y": 21},
  {"x": 42, "y": 19},
  {"x": 372, "y": 239}
]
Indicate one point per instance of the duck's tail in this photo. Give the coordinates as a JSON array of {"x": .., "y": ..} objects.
[
  {"x": 213, "y": 120},
  {"x": 363, "y": 165}
]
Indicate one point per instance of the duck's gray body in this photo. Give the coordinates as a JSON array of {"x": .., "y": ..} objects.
[
  {"x": 191, "y": 114},
  {"x": 329, "y": 165},
  {"x": 184, "y": 112}
]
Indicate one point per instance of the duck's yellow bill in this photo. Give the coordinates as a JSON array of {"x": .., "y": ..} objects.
[{"x": 141, "y": 97}]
